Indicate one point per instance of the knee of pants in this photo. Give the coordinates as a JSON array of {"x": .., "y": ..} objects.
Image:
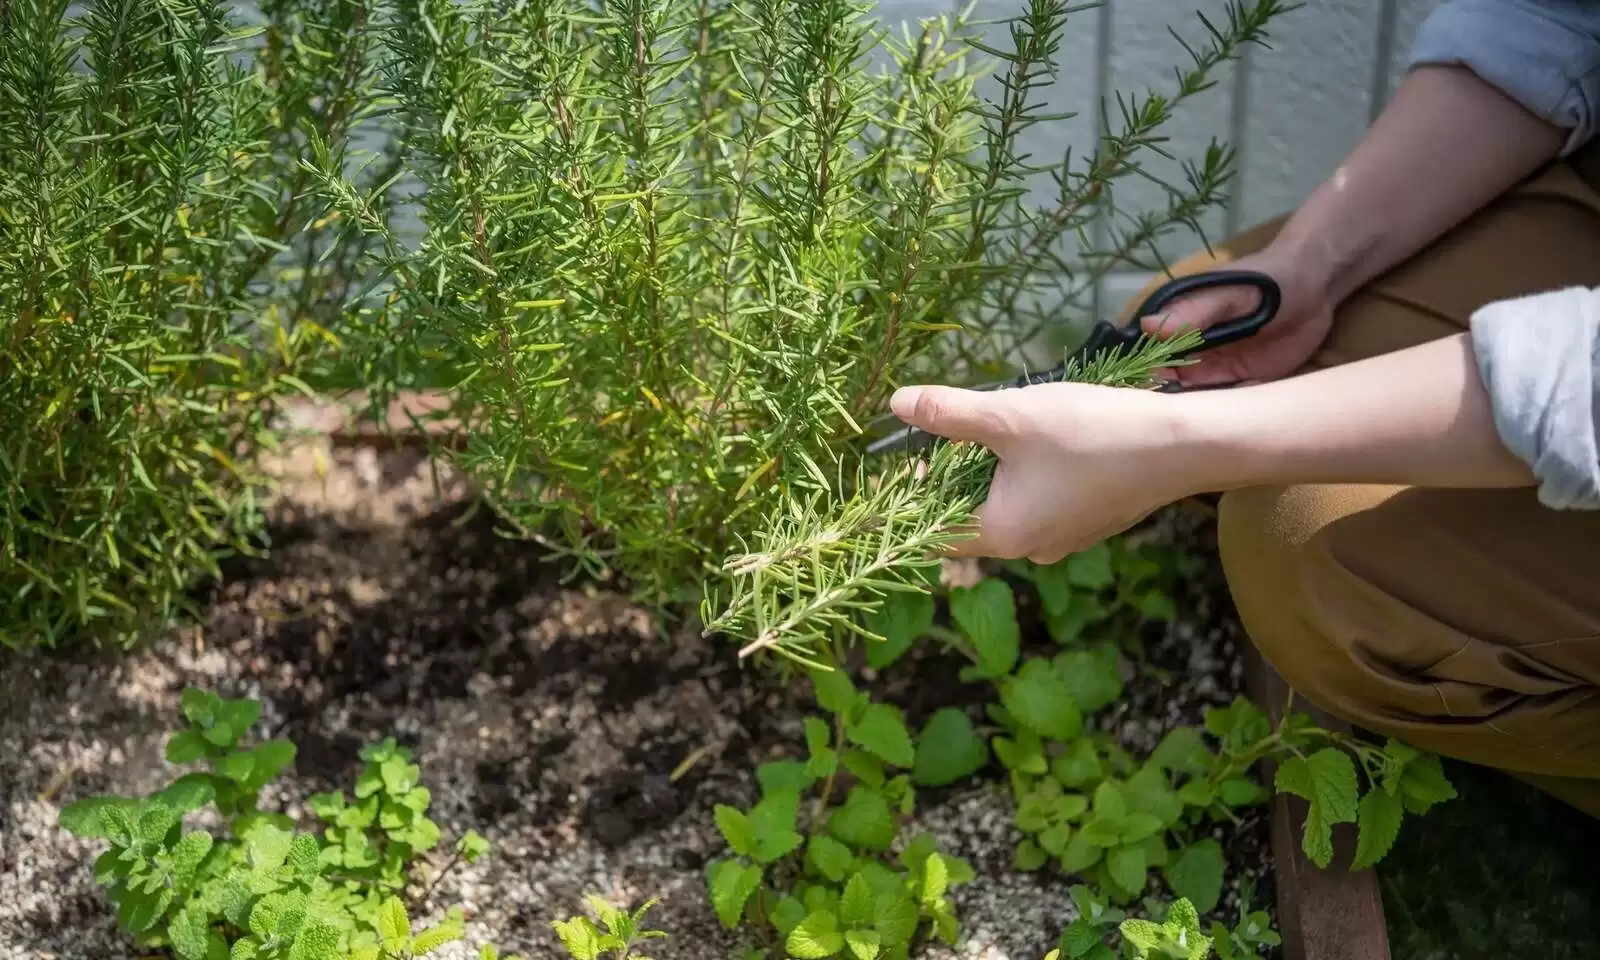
[{"x": 1275, "y": 554}]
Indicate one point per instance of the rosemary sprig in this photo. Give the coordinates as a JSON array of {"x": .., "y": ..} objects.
[{"x": 821, "y": 563}]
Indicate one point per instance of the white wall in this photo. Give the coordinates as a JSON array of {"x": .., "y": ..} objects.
[{"x": 1291, "y": 111}]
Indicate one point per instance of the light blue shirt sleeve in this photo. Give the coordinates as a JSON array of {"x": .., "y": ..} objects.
[{"x": 1545, "y": 54}]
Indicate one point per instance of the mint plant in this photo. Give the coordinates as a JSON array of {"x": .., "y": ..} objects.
[
  {"x": 261, "y": 888},
  {"x": 1176, "y": 936},
  {"x": 615, "y": 938},
  {"x": 818, "y": 866},
  {"x": 163, "y": 286}
]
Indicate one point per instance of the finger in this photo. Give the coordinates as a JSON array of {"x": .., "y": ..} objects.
[
  {"x": 993, "y": 538},
  {"x": 1200, "y": 311},
  {"x": 979, "y": 416},
  {"x": 1212, "y": 370}
]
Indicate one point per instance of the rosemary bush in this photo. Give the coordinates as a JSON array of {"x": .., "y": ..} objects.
[
  {"x": 162, "y": 283},
  {"x": 676, "y": 253}
]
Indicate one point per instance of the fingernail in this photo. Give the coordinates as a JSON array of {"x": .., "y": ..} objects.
[{"x": 904, "y": 401}]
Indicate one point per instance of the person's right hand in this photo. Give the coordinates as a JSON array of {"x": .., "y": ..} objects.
[{"x": 1281, "y": 347}]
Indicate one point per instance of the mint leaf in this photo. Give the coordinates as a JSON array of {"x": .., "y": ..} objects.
[
  {"x": 1040, "y": 700},
  {"x": 271, "y": 758},
  {"x": 1327, "y": 781},
  {"x": 1182, "y": 750},
  {"x": 736, "y": 829},
  {"x": 1197, "y": 875},
  {"x": 772, "y": 826},
  {"x": 1378, "y": 824},
  {"x": 1148, "y": 791},
  {"x": 1068, "y": 624},
  {"x": 1091, "y": 569},
  {"x": 816, "y": 937},
  {"x": 580, "y": 937},
  {"x": 987, "y": 615},
  {"x": 864, "y": 821},
  {"x": 394, "y": 925},
  {"x": 1029, "y": 856},
  {"x": 1081, "y": 853},
  {"x": 863, "y": 944},
  {"x": 1079, "y": 765},
  {"x": 1094, "y": 676},
  {"x": 881, "y": 730},
  {"x": 856, "y": 904},
  {"x": 829, "y": 858},
  {"x": 834, "y": 689},
  {"x": 1240, "y": 792},
  {"x": 894, "y": 917},
  {"x": 239, "y": 715},
  {"x": 186, "y": 746},
  {"x": 949, "y": 749},
  {"x": 188, "y": 931},
  {"x": 1053, "y": 585},
  {"x": 1025, "y": 754},
  {"x": 731, "y": 884},
  {"x": 787, "y": 915},
  {"x": 1128, "y": 868},
  {"x": 900, "y": 621},
  {"x": 1238, "y": 725},
  {"x": 1424, "y": 784}
]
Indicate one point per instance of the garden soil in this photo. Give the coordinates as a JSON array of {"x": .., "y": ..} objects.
[{"x": 586, "y": 741}]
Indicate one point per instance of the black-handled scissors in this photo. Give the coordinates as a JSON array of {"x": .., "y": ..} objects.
[{"x": 1107, "y": 338}]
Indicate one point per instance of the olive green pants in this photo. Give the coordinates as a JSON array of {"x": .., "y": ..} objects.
[{"x": 1463, "y": 622}]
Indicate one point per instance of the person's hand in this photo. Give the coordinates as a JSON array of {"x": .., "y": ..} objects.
[
  {"x": 1078, "y": 463},
  {"x": 1281, "y": 348}
]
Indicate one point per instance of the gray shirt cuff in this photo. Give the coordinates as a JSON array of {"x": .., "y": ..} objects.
[
  {"x": 1545, "y": 54},
  {"x": 1540, "y": 360}
]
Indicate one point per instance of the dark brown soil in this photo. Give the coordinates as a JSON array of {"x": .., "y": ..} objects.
[{"x": 550, "y": 716}]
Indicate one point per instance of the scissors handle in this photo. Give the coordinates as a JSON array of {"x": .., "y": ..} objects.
[
  {"x": 1106, "y": 337},
  {"x": 1231, "y": 331}
]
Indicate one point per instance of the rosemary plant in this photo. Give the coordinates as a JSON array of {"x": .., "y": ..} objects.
[
  {"x": 675, "y": 254},
  {"x": 161, "y": 284}
]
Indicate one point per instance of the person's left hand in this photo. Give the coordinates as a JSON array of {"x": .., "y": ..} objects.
[{"x": 1078, "y": 463}]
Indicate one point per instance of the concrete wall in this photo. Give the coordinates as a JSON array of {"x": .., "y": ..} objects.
[{"x": 1291, "y": 112}]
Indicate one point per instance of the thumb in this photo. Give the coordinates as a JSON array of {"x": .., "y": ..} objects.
[
  {"x": 972, "y": 415},
  {"x": 1200, "y": 310}
]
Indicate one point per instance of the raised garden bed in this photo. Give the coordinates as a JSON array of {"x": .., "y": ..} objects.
[{"x": 552, "y": 718}]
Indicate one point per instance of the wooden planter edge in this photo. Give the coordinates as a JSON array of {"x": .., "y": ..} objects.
[{"x": 1323, "y": 914}]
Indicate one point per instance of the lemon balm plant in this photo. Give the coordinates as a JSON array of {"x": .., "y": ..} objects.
[
  {"x": 675, "y": 254},
  {"x": 162, "y": 282}
]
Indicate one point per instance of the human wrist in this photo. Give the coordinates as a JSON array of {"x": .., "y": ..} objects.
[
  {"x": 1325, "y": 261},
  {"x": 1216, "y": 436}
]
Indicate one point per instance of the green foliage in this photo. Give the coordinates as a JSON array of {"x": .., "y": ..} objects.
[
  {"x": 259, "y": 888},
  {"x": 1091, "y": 810},
  {"x": 162, "y": 286},
  {"x": 675, "y": 254},
  {"x": 837, "y": 541},
  {"x": 615, "y": 937},
  {"x": 812, "y": 875}
]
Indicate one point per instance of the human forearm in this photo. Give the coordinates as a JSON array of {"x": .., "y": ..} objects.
[
  {"x": 1447, "y": 144},
  {"x": 1418, "y": 417}
]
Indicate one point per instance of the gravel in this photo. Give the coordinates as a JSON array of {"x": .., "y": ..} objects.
[{"x": 549, "y": 716}]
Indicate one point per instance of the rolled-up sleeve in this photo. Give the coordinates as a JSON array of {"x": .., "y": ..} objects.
[
  {"x": 1545, "y": 54},
  {"x": 1539, "y": 356}
]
